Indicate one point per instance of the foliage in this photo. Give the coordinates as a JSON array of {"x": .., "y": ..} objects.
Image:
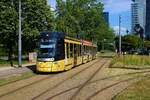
[
  {"x": 36, "y": 17},
  {"x": 129, "y": 42},
  {"x": 79, "y": 18},
  {"x": 82, "y": 18},
  {"x": 147, "y": 44}
]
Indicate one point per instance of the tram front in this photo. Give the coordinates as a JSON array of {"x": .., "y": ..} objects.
[{"x": 51, "y": 52}]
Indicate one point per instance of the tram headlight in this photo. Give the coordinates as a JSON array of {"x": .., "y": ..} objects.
[{"x": 51, "y": 59}]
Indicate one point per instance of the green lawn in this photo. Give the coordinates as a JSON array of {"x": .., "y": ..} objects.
[
  {"x": 7, "y": 63},
  {"x": 106, "y": 53},
  {"x": 137, "y": 91},
  {"x": 134, "y": 61}
]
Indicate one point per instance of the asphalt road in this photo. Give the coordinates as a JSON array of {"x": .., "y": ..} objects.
[{"x": 91, "y": 81}]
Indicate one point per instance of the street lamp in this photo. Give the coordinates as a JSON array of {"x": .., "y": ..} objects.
[
  {"x": 119, "y": 35},
  {"x": 19, "y": 38}
]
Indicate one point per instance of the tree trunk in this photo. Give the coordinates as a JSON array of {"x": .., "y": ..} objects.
[{"x": 10, "y": 58}]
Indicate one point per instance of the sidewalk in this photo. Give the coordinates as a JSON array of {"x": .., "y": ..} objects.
[{"x": 8, "y": 71}]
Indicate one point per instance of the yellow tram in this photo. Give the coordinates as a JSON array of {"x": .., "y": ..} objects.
[{"x": 58, "y": 52}]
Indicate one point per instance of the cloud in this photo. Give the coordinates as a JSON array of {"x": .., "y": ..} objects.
[
  {"x": 123, "y": 30},
  {"x": 117, "y": 6}
]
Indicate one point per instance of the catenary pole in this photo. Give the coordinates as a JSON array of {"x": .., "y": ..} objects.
[
  {"x": 119, "y": 35},
  {"x": 19, "y": 38}
]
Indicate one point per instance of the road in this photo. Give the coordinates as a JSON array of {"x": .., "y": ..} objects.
[{"x": 91, "y": 81}]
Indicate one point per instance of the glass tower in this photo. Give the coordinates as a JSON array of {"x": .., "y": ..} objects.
[
  {"x": 138, "y": 8},
  {"x": 147, "y": 26}
]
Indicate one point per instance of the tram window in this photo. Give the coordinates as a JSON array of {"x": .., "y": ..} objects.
[
  {"x": 67, "y": 50},
  {"x": 75, "y": 50},
  {"x": 60, "y": 54},
  {"x": 71, "y": 50},
  {"x": 81, "y": 51},
  {"x": 78, "y": 52},
  {"x": 84, "y": 51}
]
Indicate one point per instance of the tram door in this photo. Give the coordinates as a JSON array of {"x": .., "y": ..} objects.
[{"x": 75, "y": 54}]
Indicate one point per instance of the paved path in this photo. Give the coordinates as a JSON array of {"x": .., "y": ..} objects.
[
  {"x": 91, "y": 81},
  {"x": 8, "y": 71}
]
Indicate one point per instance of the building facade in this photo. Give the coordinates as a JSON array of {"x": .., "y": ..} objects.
[
  {"x": 134, "y": 16},
  {"x": 147, "y": 26},
  {"x": 106, "y": 17},
  {"x": 138, "y": 13}
]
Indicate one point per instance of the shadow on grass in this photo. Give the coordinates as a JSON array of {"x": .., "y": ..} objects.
[{"x": 131, "y": 68}]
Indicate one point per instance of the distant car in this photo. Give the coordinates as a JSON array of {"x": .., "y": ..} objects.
[
  {"x": 143, "y": 52},
  {"x": 133, "y": 52}
]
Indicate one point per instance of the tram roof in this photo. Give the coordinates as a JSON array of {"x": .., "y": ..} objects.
[{"x": 69, "y": 39}]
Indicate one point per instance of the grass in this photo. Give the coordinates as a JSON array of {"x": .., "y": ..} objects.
[
  {"x": 11, "y": 79},
  {"x": 7, "y": 63},
  {"x": 136, "y": 61},
  {"x": 137, "y": 91},
  {"x": 106, "y": 53}
]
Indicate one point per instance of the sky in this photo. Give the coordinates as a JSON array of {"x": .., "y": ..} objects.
[{"x": 115, "y": 8}]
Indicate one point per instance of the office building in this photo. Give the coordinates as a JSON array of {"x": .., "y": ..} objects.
[
  {"x": 138, "y": 13},
  {"x": 106, "y": 17},
  {"x": 147, "y": 26}
]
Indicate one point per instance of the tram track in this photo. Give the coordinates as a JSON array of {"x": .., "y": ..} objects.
[
  {"x": 35, "y": 82},
  {"x": 86, "y": 82},
  {"x": 102, "y": 79},
  {"x": 115, "y": 84},
  {"x": 50, "y": 89},
  {"x": 44, "y": 79},
  {"x": 81, "y": 86}
]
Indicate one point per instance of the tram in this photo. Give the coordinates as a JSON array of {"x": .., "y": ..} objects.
[{"x": 58, "y": 52}]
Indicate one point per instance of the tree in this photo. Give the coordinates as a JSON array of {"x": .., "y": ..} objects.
[
  {"x": 147, "y": 44},
  {"x": 36, "y": 17},
  {"x": 8, "y": 27},
  {"x": 82, "y": 18},
  {"x": 130, "y": 42}
]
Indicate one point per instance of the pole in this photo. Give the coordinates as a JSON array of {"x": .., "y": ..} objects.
[
  {"x": 119, "y": 35},
  {"x": 19, "y": 38}
]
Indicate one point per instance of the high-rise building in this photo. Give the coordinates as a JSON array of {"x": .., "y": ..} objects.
[
  {"x": 134, "y": 16},
  {"x": 138, "y": 13},
  {"x": 106, "y": 17},
  {"x": 147, "y": 26}
]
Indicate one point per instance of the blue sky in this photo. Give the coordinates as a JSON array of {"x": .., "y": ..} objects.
[{"x": 115, "y": 8}]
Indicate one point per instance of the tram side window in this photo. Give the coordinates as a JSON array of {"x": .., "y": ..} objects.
[
  {"x": 82, "y": 50},
  {"x": 67, "y": 50},
  {"x": 79, "y": 50},
  {"x": 75, "y": 50},
  {"x": 85, "y": 51},
  {"x": 71, "y": 50},
  {"x": 60, "y": 54}
]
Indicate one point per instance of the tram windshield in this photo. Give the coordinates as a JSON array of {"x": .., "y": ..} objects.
[
  {"x": 47, "y": 49},
  {"x": 46, "y": 53},
  {"x": 51, "y": 45}
]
